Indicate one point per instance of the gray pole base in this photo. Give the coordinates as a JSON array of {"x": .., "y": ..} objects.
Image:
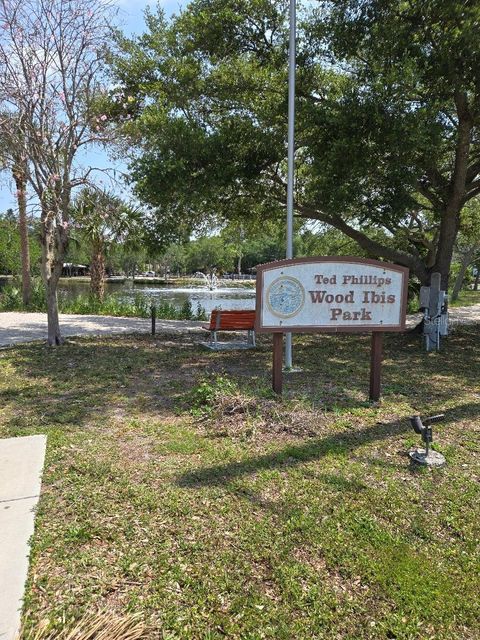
[{"x": 434, "y": 459}]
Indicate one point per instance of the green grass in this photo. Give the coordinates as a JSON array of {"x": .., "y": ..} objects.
[
  {"x": 176, "y": 485},
  {"x": 466, "y": 298},
  {"x": 139, "y": 307}
]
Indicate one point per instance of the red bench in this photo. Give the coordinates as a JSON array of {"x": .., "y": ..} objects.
[{"x": 231, "y": 321}]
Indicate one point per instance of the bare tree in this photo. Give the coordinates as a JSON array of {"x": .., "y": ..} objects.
[{"x": 52, "y": 56}]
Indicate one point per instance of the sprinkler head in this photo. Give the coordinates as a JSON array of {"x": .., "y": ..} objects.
[
  {"x": 416, "y": 423},
  {"x": 426, "y": 456}
]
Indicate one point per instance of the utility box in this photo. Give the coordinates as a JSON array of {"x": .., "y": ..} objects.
[
  {"x": 434, "y": 304},
  {"x": 424, "y": 298}
]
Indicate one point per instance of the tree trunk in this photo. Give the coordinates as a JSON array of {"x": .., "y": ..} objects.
[
  {"x": 466, "y": 260},
  {"x": 450, "y": 219},
  {"x": 19, "y": 175},
  {"x": 54, "y": 245},
  {"x": 239, "y": 263},
  {"x": 449, "y": 227},
  {"x": 97, "y": 272},
  {"x": 54, "y": 334}
]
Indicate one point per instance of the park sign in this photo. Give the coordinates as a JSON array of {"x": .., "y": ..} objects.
[
  {"x": 331, "y": 294},
  {"x": 336, "y": 294}
]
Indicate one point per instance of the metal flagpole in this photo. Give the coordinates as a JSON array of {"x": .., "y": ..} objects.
[{"x": 291, "y": 154}]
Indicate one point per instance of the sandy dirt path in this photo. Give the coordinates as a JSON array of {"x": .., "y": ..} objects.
[
  {"x": 26, "y": 327},
  {"x": 18, "y": 327}
]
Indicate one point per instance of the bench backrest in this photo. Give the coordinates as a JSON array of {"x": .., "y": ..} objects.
[{"x": 231, "y": 320}]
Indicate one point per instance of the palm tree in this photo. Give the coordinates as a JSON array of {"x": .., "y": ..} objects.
[
  {"x": 102, "y": 218},
  {"x": 13, "y": 157}
]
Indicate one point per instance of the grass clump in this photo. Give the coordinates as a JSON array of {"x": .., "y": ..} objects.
[
  {"x": 206, "y": 394},
  {"x": 229, "y": 411},
  {"x": 94, "y": 626}
]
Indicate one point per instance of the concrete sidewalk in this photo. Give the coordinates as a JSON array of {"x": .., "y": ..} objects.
[{"x": 21, "y": 464}]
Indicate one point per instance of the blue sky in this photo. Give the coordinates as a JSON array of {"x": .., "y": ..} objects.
[
  {"x": 131, "y": 12},
  {"x": 131, "y": 21}
]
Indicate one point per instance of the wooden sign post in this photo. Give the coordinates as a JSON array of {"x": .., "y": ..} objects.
[
  {"x": 376, "y": 365},
  {"x": 331, "y": 294}
]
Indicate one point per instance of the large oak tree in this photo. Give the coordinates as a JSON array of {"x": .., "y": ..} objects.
[{"x": 388, "y": 115}]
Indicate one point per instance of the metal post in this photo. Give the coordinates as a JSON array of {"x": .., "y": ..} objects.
[
  {"x": 291, "y": 154},
  {"x": 432, "y": 301},
  {"x": 153, "y": 310}
]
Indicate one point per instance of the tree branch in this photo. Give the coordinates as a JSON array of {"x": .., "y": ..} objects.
[{"x": 415, "y": 264}]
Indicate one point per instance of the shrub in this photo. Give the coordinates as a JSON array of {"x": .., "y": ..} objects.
[
  {"x": 11, "y": 297},
  {"x": 111, "y": 306},
  {"x": 85, "y": 304}
]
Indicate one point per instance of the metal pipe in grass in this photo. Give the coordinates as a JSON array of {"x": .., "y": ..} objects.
[{"x": 153, "y": 310}]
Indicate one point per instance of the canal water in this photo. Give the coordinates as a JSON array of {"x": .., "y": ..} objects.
[
  {"x": 225, "y": 297},
  {"x": 238, "y": 297}
]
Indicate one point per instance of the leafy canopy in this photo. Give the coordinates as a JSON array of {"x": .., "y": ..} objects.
[{"x": 388, "y": 97}]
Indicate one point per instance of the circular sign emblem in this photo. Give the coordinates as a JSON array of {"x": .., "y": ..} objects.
[{"x": 285, "y": 297}]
